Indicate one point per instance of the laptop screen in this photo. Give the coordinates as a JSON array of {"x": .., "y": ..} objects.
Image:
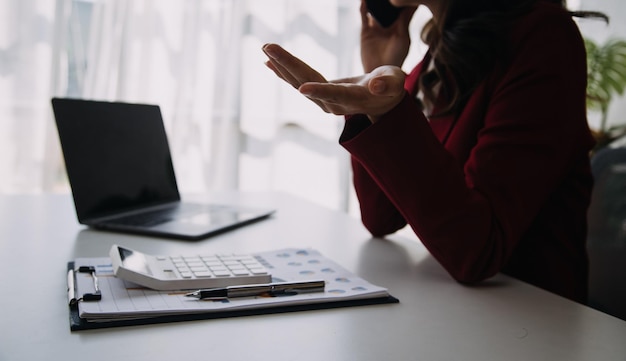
[{"x": 116, "y": 155}]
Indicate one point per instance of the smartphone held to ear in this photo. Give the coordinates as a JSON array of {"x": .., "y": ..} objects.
[{"x": 383, "y": 11}]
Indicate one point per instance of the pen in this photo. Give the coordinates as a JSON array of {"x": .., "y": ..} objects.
[{"x": 258, "y": 289}]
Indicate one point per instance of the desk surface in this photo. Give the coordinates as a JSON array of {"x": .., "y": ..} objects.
[{"x": 436, "y": 319}]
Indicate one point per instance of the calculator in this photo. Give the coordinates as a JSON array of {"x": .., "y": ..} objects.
[{"x": 168, "y": 273}]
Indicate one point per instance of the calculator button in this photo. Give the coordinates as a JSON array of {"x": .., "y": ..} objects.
[
  {"x": 169, "y": 274},
  {"x": 195, "y": 264},
  {"x": 221, "y": 273},
  {"x": 240, "y": 272},
  {"x": 203, "y": 274},
  {"x": 258, "y": 271},
  {"x": 213, "y": 263}
]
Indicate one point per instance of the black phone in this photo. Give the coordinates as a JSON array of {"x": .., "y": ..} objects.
[{"x": 383, "y": 11}]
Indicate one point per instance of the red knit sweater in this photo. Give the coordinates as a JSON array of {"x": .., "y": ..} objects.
[{"x": 505, "y": 185}]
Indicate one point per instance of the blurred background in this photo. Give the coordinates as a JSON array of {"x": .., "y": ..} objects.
[{"x": 231, "y": 123}]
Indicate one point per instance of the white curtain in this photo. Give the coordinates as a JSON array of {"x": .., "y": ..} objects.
[
  {"x": 231, "y": 123},
  {"x": 27, "y": 31}
]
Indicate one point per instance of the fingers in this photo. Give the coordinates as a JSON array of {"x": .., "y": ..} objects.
[
  {"x": 406, "y": 15},
  {"x": 273, "y": 68},
  {"x": 335, "y": 93},
  {"x": 339, "y": 99},
  {"x": 282, "y": 73},
  {"x": 366, "y": 19},
  {"x": 386, "y": 86},
  {"x": 372, "y": 94},
  {"x": 353, "y": 92},
  {"x": 290, "y": 68},
  {"x": 383, "y": 81}
]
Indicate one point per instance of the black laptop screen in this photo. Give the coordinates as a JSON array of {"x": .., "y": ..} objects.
[{"x": 116, "y": 155}]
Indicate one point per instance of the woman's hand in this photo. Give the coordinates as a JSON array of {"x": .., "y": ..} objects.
[
  {"x": 384, "y": 46},
  {"x": 373, "y": 94}
]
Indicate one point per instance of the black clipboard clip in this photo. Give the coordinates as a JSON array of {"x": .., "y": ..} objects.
[{"x": 71, "y": 285}]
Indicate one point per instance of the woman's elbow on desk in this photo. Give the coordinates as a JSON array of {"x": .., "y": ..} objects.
[
  {"x": 470, "y": 274},
  {"x": 381, "y": 223},
  {"x": 467, "y": 268},
  {"x": 382, "y": 229}
]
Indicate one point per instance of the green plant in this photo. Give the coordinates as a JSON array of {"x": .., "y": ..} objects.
[{"x": 606, "y": 66}]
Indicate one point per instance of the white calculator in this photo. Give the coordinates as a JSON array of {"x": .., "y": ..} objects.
[{"x": 168, "y": 273}]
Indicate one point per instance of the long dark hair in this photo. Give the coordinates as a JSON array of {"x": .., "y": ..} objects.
[{"x": 467, "y": 43}]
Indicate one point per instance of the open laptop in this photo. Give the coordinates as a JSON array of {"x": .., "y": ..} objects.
[{"x": 120, "y": 170}]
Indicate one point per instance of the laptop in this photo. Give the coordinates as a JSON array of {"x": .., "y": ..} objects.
[{"x": 122, "y": 178}]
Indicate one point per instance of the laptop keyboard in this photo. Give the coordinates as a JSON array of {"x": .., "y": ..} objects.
[
  {"x": 147, "y": 219},
  {"x": 153, "y": 218}
]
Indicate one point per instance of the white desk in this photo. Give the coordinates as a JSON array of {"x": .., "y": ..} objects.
[{"x": 437, "y": 319}]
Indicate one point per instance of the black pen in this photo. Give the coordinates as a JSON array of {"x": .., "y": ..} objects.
[{"x": 258, "y": 289}]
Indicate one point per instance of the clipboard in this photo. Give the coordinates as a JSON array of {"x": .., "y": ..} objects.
[{"x": 91, "y": 287}]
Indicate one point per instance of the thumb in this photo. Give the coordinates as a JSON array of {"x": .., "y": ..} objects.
[{"x": 386, "y": 85}]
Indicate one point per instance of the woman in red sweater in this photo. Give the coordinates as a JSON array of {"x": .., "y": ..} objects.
[{"x": 483, "y": 149}]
